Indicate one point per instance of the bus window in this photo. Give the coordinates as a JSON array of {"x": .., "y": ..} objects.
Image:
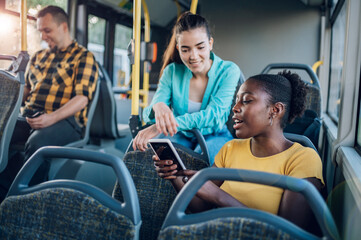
[
  {"x": 121, "y": 66},
  {"x": 10, "y": 41},
  {"x": 96, "y": 37},
  {"x": 333, "y": 5},
  {"x": 337, "y": 58},
  {"x": 34, "y": 6}
]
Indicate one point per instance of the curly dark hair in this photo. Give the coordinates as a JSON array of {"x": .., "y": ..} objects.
[{"x": 287, "y": 88}]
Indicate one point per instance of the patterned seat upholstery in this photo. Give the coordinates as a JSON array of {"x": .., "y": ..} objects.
[
  {"x": 10, "y": 100},
  {"x": 61, "y": 213},
  {"x": 313, "y": 101},
  {"x": 225, "y": 228},
  {"x": 243, "y": 223},
  {"x": 9, "y": 93},
  {"x": 69, "y": 209},
  {"x": 155, "y": 194}
]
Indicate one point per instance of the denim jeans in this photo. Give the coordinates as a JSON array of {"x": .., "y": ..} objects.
[{"x": 214, "y": 142}]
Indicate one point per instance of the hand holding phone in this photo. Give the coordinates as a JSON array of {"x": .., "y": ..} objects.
[
  {"x": 32, "y": 113},
  {"x": 164, "y": 150},
  {"x": 37, "y": 114}
]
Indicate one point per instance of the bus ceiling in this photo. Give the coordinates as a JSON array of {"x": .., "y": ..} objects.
[{"x": 162, "y": 12}]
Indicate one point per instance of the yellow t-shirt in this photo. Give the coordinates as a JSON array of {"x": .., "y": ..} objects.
[{"x": 297, "y": 161}]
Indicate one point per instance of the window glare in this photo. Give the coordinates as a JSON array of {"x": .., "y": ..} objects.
[
  {"x": 34, "y": 5},
  {"x": 10, "y": 42},
  {"x": 96, "y": 37},
  {"x": 337, "y": 58},
  {"x": 121, "y": 67}
]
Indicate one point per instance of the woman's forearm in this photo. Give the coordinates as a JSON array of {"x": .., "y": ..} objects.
[{"x": 208, "y": 197}]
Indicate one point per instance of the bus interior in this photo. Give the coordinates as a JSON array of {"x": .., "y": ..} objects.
[{"x": 318, "y": 39}]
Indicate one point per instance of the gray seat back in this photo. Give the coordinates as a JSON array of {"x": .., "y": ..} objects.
[
  {"x": 104, "y": 123},
  {"x": 155, "y": 194},
  {"x": 11, "y": 94},
  {"x": 239, "y": 223},
  {"x": 69, "y": 209}
]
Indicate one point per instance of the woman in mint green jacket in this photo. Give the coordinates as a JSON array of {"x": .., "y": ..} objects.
[{"x": 195, "y": 90}]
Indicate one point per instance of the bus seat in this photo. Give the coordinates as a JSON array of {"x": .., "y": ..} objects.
[
  {"x": 68, "y": 209},
  {"x": 310, "y": 123},
  {"x": 11, "y": 94},
  {"x": 239, "y": 223},
  {"x": 58, "y": 166},
  {"x": 155, "y": 194},
  {"x": 301, "y": 139},
  {"x": 105, "y": 117},
  {"x": 103, "y": 135}
]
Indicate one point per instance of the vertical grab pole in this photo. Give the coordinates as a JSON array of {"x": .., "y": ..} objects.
[
  {"x": 134, "y": 121},
  {"x": 136, "y": 66},
  {"x": 194, "y": 6},
  {"x": 146, "y": 64},
  {"x": 23, "y": 25}
]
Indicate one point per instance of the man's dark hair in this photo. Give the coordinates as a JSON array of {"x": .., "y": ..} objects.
[{"x": 56, "y": 12}]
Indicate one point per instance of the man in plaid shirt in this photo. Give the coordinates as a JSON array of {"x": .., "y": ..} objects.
[{"x": 60, "y": 82}]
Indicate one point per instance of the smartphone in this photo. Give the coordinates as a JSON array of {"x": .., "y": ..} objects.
[
  {"x": 37, "y": 114},
  {"x": 31, "y": 113},
  {"x": 165, "y": 150}
]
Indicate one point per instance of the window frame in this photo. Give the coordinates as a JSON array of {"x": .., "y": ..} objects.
[
  {"x": 336, "y": 13},
  {"x": 358, "y": 120},
  {"x": 112, "y": 17}
]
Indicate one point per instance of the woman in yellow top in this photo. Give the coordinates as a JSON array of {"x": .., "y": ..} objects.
[{"x": 264, "y": 105}]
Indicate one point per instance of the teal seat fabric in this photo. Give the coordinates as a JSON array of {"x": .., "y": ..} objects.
[
  {"x": 224, "y": 229},
  {"x": 61, "y": 213},
  {"x": 155, "y": 194}
]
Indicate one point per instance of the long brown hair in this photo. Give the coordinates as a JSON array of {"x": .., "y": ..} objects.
[{"x": 187, "y": 21}]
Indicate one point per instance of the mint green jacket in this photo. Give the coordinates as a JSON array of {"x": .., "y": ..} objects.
[{"x": 173, "y": 90}]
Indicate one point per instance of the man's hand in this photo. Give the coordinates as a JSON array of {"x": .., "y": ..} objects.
[
  {"x": 43, "y": 121},
  {"x": 73, "y": 106}
]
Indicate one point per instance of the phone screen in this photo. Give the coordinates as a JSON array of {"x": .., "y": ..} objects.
[{"x": 164, "y": 152}]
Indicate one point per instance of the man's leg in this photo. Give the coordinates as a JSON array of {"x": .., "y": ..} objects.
[{"x": 59, "y": 134}]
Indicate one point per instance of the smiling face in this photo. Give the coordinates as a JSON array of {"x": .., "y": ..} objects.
[
  {"x": 194, "y": 49},
  {"x": 252, "y": 110},
  {"x": 53, "y": 33}
]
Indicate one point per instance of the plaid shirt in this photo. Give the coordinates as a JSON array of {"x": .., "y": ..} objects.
[{"x": 56, "y": 77}]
